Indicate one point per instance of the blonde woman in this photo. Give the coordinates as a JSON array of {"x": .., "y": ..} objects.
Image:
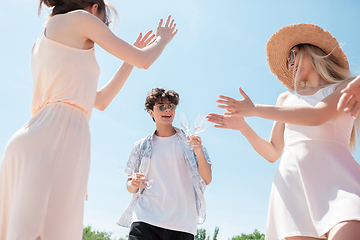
[
  {"x": 45, "y": 167},
  {"x": 316, "y": 189}
]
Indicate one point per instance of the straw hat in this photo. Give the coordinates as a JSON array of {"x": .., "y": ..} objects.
[{"x": 279, "y": 45}]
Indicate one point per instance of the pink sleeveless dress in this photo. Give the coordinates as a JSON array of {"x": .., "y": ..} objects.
[
  {"x": 317, "y": 184},
  {"x": 45, "y": 167}
]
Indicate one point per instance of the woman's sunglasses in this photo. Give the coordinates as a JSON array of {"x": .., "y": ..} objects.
[
  {"x": 291, "y": 59},
  {"x": 163, "y": 107}
]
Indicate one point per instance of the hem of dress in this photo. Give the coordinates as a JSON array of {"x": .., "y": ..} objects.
[
  {"x": 340, "y": 221},
  {"x": 296, "y": 234},
  {"x": 322, "y": 236}
]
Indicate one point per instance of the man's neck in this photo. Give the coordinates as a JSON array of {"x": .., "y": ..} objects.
[{"x": 165, "y": 131}]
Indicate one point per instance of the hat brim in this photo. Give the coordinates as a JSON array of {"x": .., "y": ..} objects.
[{"x": 279, "y": 45}]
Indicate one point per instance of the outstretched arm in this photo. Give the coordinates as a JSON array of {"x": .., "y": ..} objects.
[
  {"x": 300, "y": 115},
  {"x": 94, "y": 29},
  {"x": 350, "y": 98},
  {"x": 107, "y": 93},
  {"x": 270, "y": 150}
]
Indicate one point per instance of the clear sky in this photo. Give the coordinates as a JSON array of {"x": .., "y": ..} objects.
[{"x": 219, "y": 47}]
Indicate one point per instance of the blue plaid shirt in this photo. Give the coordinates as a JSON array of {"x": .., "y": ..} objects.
[{"x": 140, "y": 158}]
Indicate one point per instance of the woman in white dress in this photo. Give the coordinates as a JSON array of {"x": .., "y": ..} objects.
[{"x": 316, "y": 189}]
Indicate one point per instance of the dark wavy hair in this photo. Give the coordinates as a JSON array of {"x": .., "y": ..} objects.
[
  {"x": 65, "y": 6},
  {"x": 157, "y": 94}
]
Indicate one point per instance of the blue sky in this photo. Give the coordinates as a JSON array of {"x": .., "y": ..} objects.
[{"x": 219, "y": 47}]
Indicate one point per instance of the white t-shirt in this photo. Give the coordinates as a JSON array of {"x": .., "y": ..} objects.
[{"x": 170, "y": 202}]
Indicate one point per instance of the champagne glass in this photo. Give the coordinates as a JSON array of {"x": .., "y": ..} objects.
[
  {"x": 128, "y": 173},
  {"x": 201, "y": 123},
  {"x": 184, "y": 122},
  {"x": 144, "y": 167}
]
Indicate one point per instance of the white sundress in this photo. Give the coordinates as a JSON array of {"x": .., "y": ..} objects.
[{"x": 317, "y": 184}]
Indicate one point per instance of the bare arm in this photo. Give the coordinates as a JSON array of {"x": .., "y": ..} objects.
[
  {"x": 94, "y": 29},
  {"x": 107, "y": 93},
  {"x": 270, "y": 150},
  {"x": 204, "y": 165},
  {"x": 306, "y": 116}
]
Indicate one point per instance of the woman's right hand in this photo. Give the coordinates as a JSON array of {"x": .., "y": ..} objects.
[
  {"x": 243, "y": 108},
  {"x": 166, "y": 32}
]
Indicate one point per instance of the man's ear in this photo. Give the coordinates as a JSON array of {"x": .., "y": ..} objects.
[{"x": 151, "y": 113}]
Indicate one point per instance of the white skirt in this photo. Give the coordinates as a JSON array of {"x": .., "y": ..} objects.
[{"x": 316, "y": 186}]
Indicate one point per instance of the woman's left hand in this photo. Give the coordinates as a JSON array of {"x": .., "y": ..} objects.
[
  {"x": 195, "y": 143},
  {"x": 145, "y": 41},
  {"x": 243, "y": 108},
  {"x": 234, "y": 122}
]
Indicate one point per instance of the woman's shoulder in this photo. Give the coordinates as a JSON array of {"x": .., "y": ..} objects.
[
  {"x": 282, "y": 97},
  {"x": 78, "y": 22}
]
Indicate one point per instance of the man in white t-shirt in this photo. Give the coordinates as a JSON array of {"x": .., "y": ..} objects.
[{"x": 178, "y": 169}]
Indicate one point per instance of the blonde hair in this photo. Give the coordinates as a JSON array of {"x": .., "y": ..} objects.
[{"x": 329, "y": 69}]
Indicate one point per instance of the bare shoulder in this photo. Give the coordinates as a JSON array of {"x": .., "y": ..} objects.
[
  {"x": 88, "y": 24},
  {"x": 281, "y": 98},
  {"x": 68, "y": 20},
  {"x": 72, "y": 28}
]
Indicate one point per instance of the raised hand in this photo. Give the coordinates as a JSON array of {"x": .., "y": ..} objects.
[
  {"x": 145, "y": 41},
  {"x": 168, "y": 30},
  {"x": 243, "y": 108},
  {"x": 234, "y": 122},
  {"x": 349, "y": 101}
]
